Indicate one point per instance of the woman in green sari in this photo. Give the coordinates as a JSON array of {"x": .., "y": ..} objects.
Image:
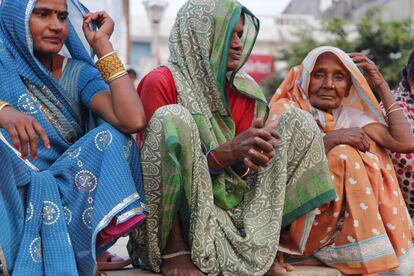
[{"x": 219, "y": 184}]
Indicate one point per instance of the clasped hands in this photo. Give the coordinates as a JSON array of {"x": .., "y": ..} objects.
[
  {"x": 354, "y": 137},
  {"x": 254, "y": 147}
]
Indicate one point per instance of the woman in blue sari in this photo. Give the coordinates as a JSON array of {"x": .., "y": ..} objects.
[{"x": 65, "y": 194}]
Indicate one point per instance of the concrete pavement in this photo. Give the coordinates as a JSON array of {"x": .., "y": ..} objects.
[{"x": 120, "y": 249}]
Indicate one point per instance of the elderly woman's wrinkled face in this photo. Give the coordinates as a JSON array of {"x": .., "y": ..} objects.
[
  {"x": 49, "y": 26},
  {"x": 330, "y": 82},
  {"x": 236, "y": 46}
]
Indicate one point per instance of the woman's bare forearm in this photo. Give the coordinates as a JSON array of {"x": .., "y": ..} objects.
[
  {"x": 398, "y": 126},
  {"x": 126, "y": 104}
]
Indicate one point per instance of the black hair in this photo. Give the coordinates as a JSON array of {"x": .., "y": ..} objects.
[
  {"x": 408, "y": 71},
  {"x": 132, "y": 71}
]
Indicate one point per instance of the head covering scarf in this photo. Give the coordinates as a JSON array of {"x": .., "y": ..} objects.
[
  {"x": 199, "y": 45},
  {"x": 338, "y": 239},
  {"x": 293, "y": 92},
  {"x": 49, "y": 216},
  {"x": 17, "y": 55}
]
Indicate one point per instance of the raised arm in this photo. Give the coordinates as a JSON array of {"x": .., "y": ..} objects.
[
  {"x": 397, "y": 136},
  {"x": 120, "y": 106}
]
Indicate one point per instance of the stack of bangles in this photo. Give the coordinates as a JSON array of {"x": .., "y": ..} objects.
[
  {"x": 111, "y": 67},
  {"x": 221, "y": 166},
  {"x": 3, "y": 104},
  {"x": 390, "y": 110}
]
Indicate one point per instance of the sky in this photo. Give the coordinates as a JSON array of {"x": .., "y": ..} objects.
[{"x": 258, "y": 7}]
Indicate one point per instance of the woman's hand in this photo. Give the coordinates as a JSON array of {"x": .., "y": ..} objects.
[
  {"x": 99, "y": 40},
  {"x": 369, "y": 69},
  {"x": 253, "y": 147},
  {"x": 23, "y": 130},
  {"x": 355, "y": 137}
]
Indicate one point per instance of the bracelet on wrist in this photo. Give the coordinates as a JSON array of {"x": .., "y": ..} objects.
[
  {"x": 213, "y": 171},
  {"x": 391, "y": 111},
  {"x": 216, "y": 161},
  {"x": 246, "y": 173},
  {"x": 3, "y": 104},
  {"x": 111, "y": 67},
  {"x": 389, "y": 108}
]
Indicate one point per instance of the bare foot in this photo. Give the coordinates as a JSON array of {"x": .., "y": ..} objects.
[
  {"x": 179, "y": 266},
  {"x": 279, "y": 267}
]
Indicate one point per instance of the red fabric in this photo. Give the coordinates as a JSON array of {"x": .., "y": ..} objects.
[
  {"x": 113, "y": 231},
  {"x": 242, "y": 109},
  {"x": 158, "y": 89}
]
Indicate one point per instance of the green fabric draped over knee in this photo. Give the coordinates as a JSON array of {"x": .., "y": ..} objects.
[{"x": 242, "y": 240}]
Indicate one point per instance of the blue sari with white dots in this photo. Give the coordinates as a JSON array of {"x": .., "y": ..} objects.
[{"x": 52, "y": 208}]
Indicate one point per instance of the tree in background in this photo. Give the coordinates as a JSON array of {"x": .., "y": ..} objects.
[{"x": 387, "y": 43}]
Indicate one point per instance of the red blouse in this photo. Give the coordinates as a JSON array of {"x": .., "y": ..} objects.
[{"x": 158, "y": 89}]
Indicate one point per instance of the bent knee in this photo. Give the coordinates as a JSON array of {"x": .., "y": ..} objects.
[
  {"x": 175, "y": 116},
  {"x": 299, "y": 119},
  {"x": 105, "y": 135},
  {"x": 172, "y": 111},
  {"x": 341, "y": 153}
]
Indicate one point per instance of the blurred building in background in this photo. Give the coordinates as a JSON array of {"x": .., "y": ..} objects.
[
  {"x": 119, "y": 11},
  {"x": 351, "y": 9},
  {"x": 135, "y": 31},
  {"x": 260, "y": 65}
]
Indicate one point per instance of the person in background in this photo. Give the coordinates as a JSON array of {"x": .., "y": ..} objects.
[
  {"x": 66, "y": 194},
  {"x": 219, "y": 184},
  {"x": 404, "y": 162},
  {"x": 133, "y": 76},
  {"x": 366, "y": 229}
]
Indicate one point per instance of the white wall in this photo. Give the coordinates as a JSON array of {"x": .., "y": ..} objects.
[
  {"x": 270, "y": 35},
  {"x": 115, "y": 9}
]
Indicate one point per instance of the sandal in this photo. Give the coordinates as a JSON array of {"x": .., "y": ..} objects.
[{"x": 109, "y": 261}]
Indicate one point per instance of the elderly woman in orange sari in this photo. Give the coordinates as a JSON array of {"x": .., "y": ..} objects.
[{"x": 366, "y": 229}]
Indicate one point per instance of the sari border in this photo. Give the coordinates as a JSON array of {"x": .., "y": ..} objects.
[
  {"x": 18, "y": 154},
  {"x": 29, "y": 10},
  {"x": 3, "y": 263},
  {"x": 107, "y": 218},
  {"x": 125, "y": 216},
  {"x": 308, "y": 206}
]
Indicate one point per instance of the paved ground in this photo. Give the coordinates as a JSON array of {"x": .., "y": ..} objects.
[{"x": 120, "y": 249}]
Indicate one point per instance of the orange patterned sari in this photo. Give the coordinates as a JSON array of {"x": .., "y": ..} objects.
[{"x": 367, "y": 228}]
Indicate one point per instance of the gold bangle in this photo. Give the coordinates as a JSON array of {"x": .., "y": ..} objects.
[
  {"x": 399, "y": 108},
  {"x": 107, "y": 55},
  {"x": 389, "y": 108},
  {"x": 110, "y": 66},
  {"x": 3, "y": 105},
  {"x": 117, "y": 76}
]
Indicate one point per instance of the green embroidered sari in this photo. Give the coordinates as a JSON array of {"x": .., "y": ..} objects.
[
  {"x": 200, "y": 72},
  {"x": 231, "y": 225}
]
